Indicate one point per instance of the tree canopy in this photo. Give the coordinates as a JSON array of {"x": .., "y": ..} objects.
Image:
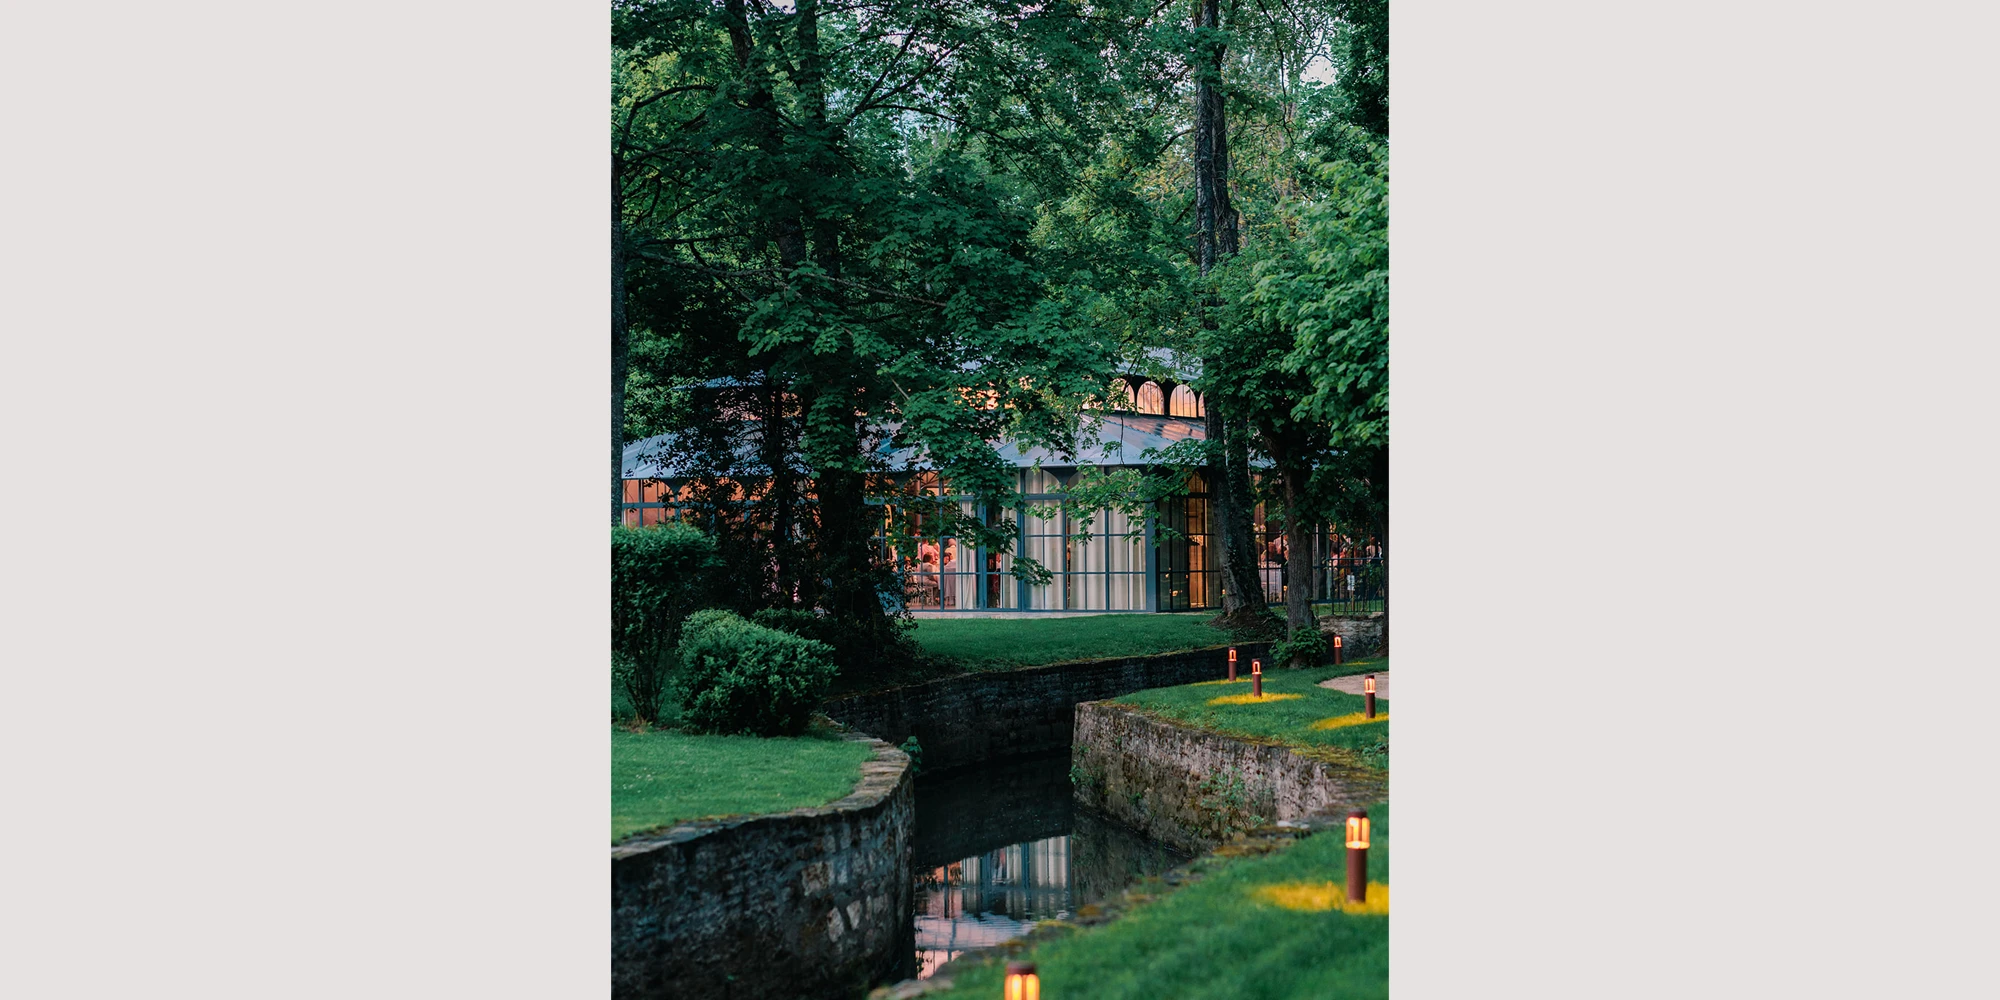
[{"x": 933, "y": 224}]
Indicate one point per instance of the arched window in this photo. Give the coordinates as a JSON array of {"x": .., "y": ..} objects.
[
  {"x": 1151, "y": 400},
  {"x": 1121, "y": 395},
  {"x": 1182, "y": 403}
]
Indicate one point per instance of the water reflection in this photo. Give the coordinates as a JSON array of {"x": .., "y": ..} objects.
[{"x": 1003, "y": 846}]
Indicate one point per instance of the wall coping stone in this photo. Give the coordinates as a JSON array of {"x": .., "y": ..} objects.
[{"x": 880, "y": 774}]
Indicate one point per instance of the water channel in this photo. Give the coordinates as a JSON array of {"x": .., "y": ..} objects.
[{"x": 1003, "y": 845}]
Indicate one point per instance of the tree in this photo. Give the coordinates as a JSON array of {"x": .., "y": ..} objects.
[
  {"x": 1216, "y": 240},
  {"x": 898, "y": 226},
  {"x": 1314, "y": 316},
  {"x": 833, "y": 211}
]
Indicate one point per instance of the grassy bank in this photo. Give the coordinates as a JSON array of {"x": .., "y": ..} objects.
[
  {"x": 1250, "y": 928},
  {"x": 660, "y": 778},
  {"x": 1295, "y": 709},
  {"x": 999, "y": 643}
]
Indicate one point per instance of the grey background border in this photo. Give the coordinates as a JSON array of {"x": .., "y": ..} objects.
[{"x": 1694, "y": 348}]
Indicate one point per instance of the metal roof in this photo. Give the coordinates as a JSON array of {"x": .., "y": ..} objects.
[
  {"x": 1119, "y": 439},
  {"x": 1122, "y": 439}
]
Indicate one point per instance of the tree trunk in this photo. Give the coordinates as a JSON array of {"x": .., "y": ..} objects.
[
  {"x": 1298, "y": 556},
  {"x": 620, "y": 342},
  {"x": 1382, "y": 527},
  {"x": 1215, "y": 237},
  {"x": 1243, "y": 596},
  {"x": 777, "y": 431}
]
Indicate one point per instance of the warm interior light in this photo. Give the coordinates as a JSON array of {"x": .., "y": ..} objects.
[
  {"x": 1022, "y": 983},
  {"x": 1357, "y": 830},
  {"x": 1368, "y": 684}
]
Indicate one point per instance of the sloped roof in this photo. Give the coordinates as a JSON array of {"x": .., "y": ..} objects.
[{"x": 1121, "y": 439}]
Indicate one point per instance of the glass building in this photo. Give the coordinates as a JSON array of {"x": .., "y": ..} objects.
[{"x": 1107, "y": 561}]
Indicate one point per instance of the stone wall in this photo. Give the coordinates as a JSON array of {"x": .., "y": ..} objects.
[
  {"x": 1360, "y": 635},
  {"x": 807, "y": 903},
  {"x": 978, "y": 717},
  {"x": 1191, "y": 788}
]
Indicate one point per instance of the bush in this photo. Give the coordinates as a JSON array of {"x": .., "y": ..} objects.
[
  {"x": 1304, "y": 648},
  {"x": 737, "y": 677},
  {"x": 659, "y": 575},
  {"x": 804, "y": 624}
]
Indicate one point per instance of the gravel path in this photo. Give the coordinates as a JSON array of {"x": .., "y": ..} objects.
[{"x": 1352, "y": 685}]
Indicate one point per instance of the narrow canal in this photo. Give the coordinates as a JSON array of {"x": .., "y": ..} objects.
[{"x": 1003, "y": 845}]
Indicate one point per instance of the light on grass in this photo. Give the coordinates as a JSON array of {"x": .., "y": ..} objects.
[
  {"x": 1232, "y": 663},
  {"x": 1257, "y": 678},
  {"x": 1368, "y": 695},
  {"x": 1253, "y": 699},
  {"x": 1357, "y": 856},
  {"x": 1336, "y": 649},
  {"x": 1319, "y": 897},
  {"x": 1022, "y": 983},
  {"x": 1342, "y": 721}
]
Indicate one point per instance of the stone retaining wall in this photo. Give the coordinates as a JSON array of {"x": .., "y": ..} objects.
[
  {"x": 1360, "y": 635},
  {"x": 807, "y": 903},
  {"x": 977, "y": 717},
  {"x": 1192, "y": 788}
]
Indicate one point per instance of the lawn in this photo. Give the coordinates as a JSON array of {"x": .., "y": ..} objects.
[
  {"x": 1252, "y": 928},
  {"x": 659, "y": 778},
  {"x": 1000, "y": 643},
  {"x": 1295, "y": 710}
]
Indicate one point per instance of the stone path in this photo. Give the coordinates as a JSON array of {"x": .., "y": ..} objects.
[{"x": 1352, "y": 685}]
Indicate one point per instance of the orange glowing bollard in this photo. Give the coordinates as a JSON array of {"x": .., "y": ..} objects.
[
  {"x": 1357, "y": 856},
  {"x": 1336, "y": 650},
  {"x": 1022, "y": 983},
  {"x": 1368, "y": 695},
  {"x": 1256, "y": 678},
  {"x": 1232, "y": 663}
]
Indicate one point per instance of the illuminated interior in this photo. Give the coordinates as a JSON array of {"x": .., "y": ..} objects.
[{"x": 1108, "y": 561}]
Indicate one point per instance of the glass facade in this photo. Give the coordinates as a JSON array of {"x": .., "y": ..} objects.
[
  {"x": 1188, "y": 575},
  {"x": 646, "y": 503},
  {"x": 1110, "y": 561},
  {"x": 939, "y": 574}
]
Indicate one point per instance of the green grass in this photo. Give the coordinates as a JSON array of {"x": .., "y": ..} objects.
[
  {"x": 1288, "y": 720},
  {"x": 1000, "y": 643},
  {"x": 1216, "y": 940},
  {"x": 660, "y": 778}
]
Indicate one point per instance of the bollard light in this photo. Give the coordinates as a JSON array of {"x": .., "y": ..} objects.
[
  {"x": 1357, "y": 856},
  {"x": 1232, "y": 663},
  {"x": 1368, "y": 695},
  {"x": 1336, "y": 649},
  {"x": 1256, "y": 678},
  {"x": 1022, "y": 983}
]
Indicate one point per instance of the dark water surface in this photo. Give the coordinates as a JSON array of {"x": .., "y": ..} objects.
[{"x": 1003, "y": 845}]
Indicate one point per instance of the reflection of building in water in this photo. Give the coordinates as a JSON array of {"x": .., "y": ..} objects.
[{"x": 983, "y": 900}]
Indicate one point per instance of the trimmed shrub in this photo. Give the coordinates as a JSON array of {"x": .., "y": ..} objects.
[
  {"x": 659, "y": 575},
  {"x": 737, "y": 677},
  {"x": 804, "y": 624}
]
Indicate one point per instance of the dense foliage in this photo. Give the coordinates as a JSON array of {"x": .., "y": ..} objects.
[
  {"x": 843, "y": 232},
  {"x": 658, "y": 577},
  {"x": 737, "y": 677}
]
